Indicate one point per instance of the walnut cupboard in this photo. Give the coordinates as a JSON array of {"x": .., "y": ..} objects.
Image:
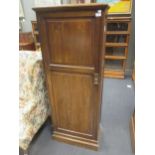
[{"x": 73, "y": 42}]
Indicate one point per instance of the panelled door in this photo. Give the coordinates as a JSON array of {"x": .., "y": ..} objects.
[{"x": 72, "y": 53}]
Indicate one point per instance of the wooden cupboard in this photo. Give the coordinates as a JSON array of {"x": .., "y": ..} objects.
[{"x": 72, "y": 42}]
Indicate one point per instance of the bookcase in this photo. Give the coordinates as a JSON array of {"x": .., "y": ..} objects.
[
  {"x": 35, "y": 33},
  {"x": 118, "y": 31},
  {"x": 117, "y": 42}
]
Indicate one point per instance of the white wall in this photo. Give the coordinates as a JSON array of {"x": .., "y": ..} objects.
[{"x": 29, "y": 15}]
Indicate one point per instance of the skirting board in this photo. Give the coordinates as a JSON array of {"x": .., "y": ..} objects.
[
  {"x": 79, "y": 141},
  {"x": 132, "y": 132}
]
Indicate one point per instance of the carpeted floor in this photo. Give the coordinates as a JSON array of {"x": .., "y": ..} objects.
[{"x": 118, "y": 104}]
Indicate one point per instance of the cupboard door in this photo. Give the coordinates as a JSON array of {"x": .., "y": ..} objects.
[{"x": 73, "y": 74}]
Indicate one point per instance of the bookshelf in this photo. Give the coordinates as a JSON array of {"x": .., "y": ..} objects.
[{"x": 118, "y": 31}]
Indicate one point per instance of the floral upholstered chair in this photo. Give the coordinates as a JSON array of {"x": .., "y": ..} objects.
[{"x": 33, "y": 99}]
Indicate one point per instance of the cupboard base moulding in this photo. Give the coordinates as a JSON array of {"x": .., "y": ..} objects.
[
  {"x": 79, "y": 141},
  {"x": 74, "y": 140}
]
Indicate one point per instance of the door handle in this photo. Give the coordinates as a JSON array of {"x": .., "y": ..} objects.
[{"x": 96, "y": 78}]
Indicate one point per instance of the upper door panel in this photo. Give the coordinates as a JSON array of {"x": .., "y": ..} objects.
[{"x": 64, "y": 38}]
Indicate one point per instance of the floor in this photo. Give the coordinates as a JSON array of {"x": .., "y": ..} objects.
[{"x": 118, "y": 104}]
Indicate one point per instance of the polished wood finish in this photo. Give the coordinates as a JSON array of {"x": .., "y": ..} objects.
[
  {"x": 117, "y": 32},
  {"x": 73, "y": 45},
  {"x": 116, "y": 44},
  {"x": 26, "y": 41},
  {"x": 113, "y": 74},
  {"x": 115, "y": 57}
]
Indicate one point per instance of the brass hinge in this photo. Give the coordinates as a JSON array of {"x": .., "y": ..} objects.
[
  {"x": 105, "y": 28},
  {"x": 96, "y": 78}
]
